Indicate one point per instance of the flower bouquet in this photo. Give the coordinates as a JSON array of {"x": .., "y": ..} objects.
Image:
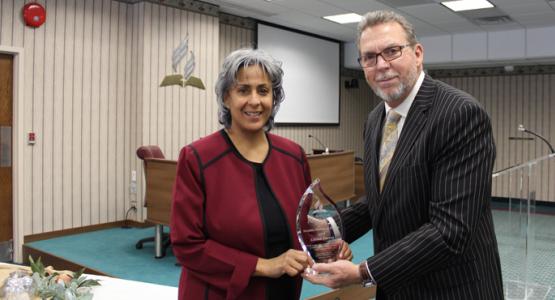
[
  {"x": 50, "y": 284},
  {"x": 47, "y": 284}
]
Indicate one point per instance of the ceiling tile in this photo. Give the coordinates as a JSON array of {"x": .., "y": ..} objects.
[
  {"x": 482, "y": 13},
  {"x": 544, "y": 18},
  {"x": 249, "y": 8},
  {"x": 312, "y": 7},
  {"x": 525, "y": 7},
  {"x": 314, "y": 25},
  {"x": 460, "y": 27},
  {"x": 401, "y": 3},
  {"x": 423, "y": 28},
  {"x": 432, "y": 13},
  {"x": 428, "y": 16},
  {"x": 358, "y": 6},
  {"x": 501, "y": 27},
  {"x": 513, "y": 3}
]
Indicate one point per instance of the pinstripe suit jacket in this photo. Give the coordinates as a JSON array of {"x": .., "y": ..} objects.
[{"x": 433, "y": 228}]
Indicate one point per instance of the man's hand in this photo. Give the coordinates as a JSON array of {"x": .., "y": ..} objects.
[
  {"x": 337, "y": 274},
  {"x": 291, "y": 262},
  {"x": 345, "y": 252}
]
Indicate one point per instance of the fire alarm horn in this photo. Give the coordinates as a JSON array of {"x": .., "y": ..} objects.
[{"x": 34, "y": 14}]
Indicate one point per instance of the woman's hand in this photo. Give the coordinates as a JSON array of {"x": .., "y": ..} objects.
[
  {"x": 345, "y": 252},
  {"x": 292, "y": 262}
]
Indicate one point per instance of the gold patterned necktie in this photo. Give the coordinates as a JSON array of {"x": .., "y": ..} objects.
[{"x": 389, "y": 141}]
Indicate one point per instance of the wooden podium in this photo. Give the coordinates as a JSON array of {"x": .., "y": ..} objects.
[
  {"x": 160, "y": 178},
  {"x": 336, "y": 172}
]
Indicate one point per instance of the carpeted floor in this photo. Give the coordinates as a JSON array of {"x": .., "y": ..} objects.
[{"x": 112, "y": 251}]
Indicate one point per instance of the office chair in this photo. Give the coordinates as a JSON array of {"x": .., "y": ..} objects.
[{"x": 143, "y": 152}]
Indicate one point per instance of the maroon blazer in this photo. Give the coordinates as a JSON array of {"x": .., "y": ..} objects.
[{"x": 216, "y": 224}]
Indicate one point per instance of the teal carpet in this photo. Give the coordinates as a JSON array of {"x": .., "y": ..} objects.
[{"x": 112, "y": 251}]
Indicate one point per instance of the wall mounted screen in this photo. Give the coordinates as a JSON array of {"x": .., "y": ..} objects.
[{"x": 311, "y": 75}]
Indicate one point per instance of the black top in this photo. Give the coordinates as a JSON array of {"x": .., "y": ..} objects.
[{"x": 276, "y": 235}]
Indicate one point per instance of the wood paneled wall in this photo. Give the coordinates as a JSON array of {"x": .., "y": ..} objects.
[
  {"x": 75, "y": 78},
  {"x": 173, "y": 117},
  {"x": 91, "y": 88},
  {"x": 512, "y": 100}
]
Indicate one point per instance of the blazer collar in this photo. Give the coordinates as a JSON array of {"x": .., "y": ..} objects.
[{"x": 372, "y": 149}]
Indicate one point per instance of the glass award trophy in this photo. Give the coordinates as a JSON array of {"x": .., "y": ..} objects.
[{"x": 319, "y": 227}]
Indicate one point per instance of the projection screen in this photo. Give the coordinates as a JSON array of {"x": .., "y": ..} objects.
[{"x": 311, "y": 75}]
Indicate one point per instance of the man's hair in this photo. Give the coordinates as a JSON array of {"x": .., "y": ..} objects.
[{"x": 378, "y": 17}]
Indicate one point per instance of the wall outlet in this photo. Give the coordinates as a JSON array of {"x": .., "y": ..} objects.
[
  {"x": 134, "y": 176},
  {"x": 133, "y": 187}
]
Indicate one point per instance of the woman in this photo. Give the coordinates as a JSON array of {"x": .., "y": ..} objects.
[{"x": 237, "y": 191}]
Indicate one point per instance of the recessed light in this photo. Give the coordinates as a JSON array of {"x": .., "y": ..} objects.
[
  {"x": 462, "y": 5},
  {"x": 344, "y": 18}
]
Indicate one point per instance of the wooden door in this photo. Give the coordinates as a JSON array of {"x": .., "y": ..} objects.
[{"x": 6, "y": 201}]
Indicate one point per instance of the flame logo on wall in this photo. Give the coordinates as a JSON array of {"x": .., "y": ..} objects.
[{"x": 186, "y": 78}]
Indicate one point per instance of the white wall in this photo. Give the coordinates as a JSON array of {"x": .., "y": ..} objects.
[{"x": 522, "y": 46}]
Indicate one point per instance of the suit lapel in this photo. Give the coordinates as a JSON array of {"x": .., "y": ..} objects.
[
  {"x": 372, "y": 146},
  {"x": 414, "y": 123}
]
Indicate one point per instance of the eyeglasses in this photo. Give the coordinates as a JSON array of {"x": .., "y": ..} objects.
[{"x": 370, "y": 60}]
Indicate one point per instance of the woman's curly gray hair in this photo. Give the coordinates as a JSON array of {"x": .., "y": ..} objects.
[{"x": 227, "y": 78}]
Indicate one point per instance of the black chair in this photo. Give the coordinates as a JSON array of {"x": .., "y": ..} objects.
[{"x": 144, "y": 152}]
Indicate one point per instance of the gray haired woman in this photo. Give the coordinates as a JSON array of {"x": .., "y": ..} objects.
[
  {"x": 227, "y": 79},
  {"x": 237, "y": 191}
]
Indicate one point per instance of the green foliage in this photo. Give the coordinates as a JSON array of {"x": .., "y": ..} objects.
[{"x": 50, "y": 286}]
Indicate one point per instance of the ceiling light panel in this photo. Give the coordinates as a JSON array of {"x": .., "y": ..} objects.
[
  {"x": 344, "y": 18},
  {"x": 463, "y": 5}
]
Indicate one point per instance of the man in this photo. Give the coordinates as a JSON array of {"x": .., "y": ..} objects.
[{"x": 428, "y": 159}]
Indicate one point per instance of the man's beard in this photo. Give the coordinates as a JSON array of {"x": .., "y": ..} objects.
[{"x": 400, "y": 91}]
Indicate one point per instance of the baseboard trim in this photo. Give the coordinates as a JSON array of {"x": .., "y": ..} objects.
[
  {"x": 538, "y": 202},
  {"x": 53, "y": 234},
  {"x": 58, "y": 263}
]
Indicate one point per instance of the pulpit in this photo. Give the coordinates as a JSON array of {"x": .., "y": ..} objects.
[{"x": 336, "y": 172}]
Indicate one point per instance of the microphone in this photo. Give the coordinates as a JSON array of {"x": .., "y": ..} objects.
[
  {"x": 326, "y": 149},
  {"x": 521, "y": 128}
]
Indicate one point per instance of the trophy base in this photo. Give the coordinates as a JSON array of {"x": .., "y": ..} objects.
[
  {"x": 310, "y": 271},
  {"x": 325, "y": 252}
]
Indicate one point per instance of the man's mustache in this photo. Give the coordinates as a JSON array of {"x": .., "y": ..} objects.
[{"x": 386, "y": 75}]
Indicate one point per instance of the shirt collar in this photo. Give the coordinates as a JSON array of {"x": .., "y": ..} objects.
[{"x": 404, "y": 107}]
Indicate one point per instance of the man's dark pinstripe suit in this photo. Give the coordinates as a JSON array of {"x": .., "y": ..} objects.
[{"x": 433, "y": 228}]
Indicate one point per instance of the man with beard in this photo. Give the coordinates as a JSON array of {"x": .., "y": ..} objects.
[{"x": 428, "y": 159}]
